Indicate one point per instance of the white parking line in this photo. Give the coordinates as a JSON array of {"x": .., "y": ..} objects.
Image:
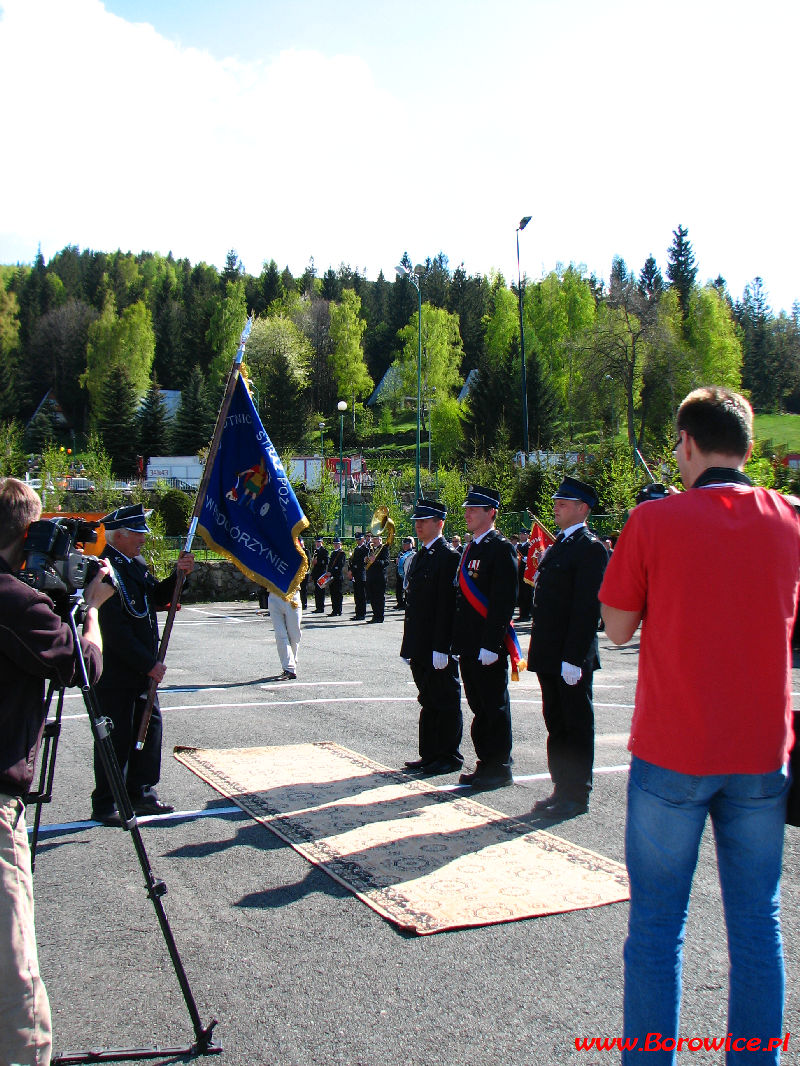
[{"x": 216, "y": 812}]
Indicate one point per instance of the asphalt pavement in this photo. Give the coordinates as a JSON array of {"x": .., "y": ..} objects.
[{"x": 295, "y": 968}]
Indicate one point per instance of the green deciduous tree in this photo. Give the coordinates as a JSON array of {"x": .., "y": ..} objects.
[
  {"x": 441, "y": 353},
  {"x": 126, "y": 341},
  {"x": 714, "y": 339},
  {"x": 224, "y": 331},
  {"x": 447, "y": 432},
  {"x": 12, "y": 452},
  {"x": 347, "y": 353},
  {"x": 558, "y": 311},
  {"x": 278, "y": 356},
  {"x": 57, "y": 358}
]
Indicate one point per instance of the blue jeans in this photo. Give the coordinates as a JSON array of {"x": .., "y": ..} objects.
[{"x": 666, "y": 815}]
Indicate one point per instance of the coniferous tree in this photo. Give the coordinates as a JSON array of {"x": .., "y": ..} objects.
[
  {"x": 8, "y": 392},
  {"x": 40, "y": 431},
  {"x": 233, "y": 270},
  {"x": 544, "y": 408},
  {"x": 759, "y": 367},
  {"x": 681, "y": 270},
  {"x": 651, "y": 282},
  {"x": 194, "y": 424},
  {"x": 116, "y": 420},
  {"x": 283, "y": 405},
  {"x": 153, "y": 424}
]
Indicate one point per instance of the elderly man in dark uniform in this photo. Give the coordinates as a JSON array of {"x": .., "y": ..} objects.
[
  {"x": 563, "y": 649},
  {"x": 485, "y": 599},
  {"x": 427, "y": 636},
  {"x": 358, "y": 572},
  {"x": 130, "y": 638}
]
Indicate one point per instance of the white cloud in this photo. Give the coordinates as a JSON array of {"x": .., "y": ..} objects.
[
  {"x": 610, "y": 123},
  {"x": 132, "y": 141}
]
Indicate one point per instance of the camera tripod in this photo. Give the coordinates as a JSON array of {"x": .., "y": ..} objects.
[{"x": 101, "y": 730}]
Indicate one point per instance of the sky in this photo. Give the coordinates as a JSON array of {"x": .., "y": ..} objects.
[{"x": 352, "y": 131}]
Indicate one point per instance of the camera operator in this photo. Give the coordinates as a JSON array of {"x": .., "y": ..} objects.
[
  {"x": 35, "y": 644},
  {"x": 130, "y": 631},
  {"x": 712, "y": 724}
]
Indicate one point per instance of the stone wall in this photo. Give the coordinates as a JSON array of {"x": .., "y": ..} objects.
[{"x": 219, "y": 580}]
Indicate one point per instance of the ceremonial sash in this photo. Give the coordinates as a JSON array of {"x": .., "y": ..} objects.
[{"x": 478, "y": 602}]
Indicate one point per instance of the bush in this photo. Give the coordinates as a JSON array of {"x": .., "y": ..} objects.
[{"x": 175, "y": 508}]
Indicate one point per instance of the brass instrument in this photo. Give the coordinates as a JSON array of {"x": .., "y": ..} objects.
[{"x": 382, "y": 525}]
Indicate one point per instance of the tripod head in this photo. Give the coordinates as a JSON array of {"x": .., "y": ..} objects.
[{"x": 54, "y": 564}]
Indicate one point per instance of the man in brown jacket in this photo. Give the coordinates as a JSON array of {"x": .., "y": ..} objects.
[{"x": 35, "y": 645}]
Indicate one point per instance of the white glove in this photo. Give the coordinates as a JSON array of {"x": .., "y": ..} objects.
[
  {"x": 406, "y": 661},
  {"x": 487, "y": 658},
  {"x": 570, "y": 673},
  {"x": 440, "y": 660}
]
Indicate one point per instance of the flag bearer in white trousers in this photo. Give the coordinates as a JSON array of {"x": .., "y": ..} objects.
[{"x": 286, "y": 616}]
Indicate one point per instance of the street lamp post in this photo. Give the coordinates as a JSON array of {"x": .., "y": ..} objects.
[
  {"x": 523, "y": 222},
  {"x": 402, "y": 271},
  {"x": 430, "y": 428},
  {"x": 321, "y": 450},
  {"x": 341, "y": 406}
]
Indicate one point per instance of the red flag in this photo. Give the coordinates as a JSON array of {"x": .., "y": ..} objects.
[{"x": 540, "y": 541}]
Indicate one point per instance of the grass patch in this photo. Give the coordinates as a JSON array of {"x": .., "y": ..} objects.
[{"x": 782, "y": 430}]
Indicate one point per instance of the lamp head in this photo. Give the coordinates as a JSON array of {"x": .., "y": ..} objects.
[
  {"x": 341, "y": 406},
  {"x": 523, "y": 222}
]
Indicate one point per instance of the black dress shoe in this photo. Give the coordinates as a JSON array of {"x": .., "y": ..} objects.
[
  {"x": 440, "y": 766},
  {"x": 414, "y": 764},
  {"x": 545, "y": 804},
  {"x": 567, "y": 808},
  {"x": 483, "y": 780},
  {"x": 110, "y": 818},
  {"x": 151, "y": 805}
]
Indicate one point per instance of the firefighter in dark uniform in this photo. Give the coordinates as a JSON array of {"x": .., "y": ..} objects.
[
  {"x": 358, "y": 564},
  {"x": 336, "y": 570},
  {"x": 427, "y": 637},
  {"x": 525, "y": 592},
  {"x": 130, "y": 652},
  {"x": 563, "y": 649},
  {"x": 319, "y": 566},
  {"x": 485, "y": 599},
  {"x": 377, "y": 566}
]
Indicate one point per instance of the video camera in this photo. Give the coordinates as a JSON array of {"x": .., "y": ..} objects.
[
  {"x": 53, "y": 565},
  {"x": 655, "y": 491}
]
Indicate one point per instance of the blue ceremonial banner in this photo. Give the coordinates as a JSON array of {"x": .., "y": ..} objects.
[{"x": 250, "y": 513}]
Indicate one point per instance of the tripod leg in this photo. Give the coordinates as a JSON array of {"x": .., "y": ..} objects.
[
  {"x": 47, "y": 767},
  {"x": 155, "y": 888}
]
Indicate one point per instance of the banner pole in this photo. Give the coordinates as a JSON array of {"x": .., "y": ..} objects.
[{"x": 180, "y": 576}]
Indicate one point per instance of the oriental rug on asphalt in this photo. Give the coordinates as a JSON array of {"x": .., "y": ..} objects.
[{"x": 424, "y": 859}]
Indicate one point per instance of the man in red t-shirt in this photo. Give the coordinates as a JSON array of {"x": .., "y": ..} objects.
[{"x": 711, "y": 728}]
